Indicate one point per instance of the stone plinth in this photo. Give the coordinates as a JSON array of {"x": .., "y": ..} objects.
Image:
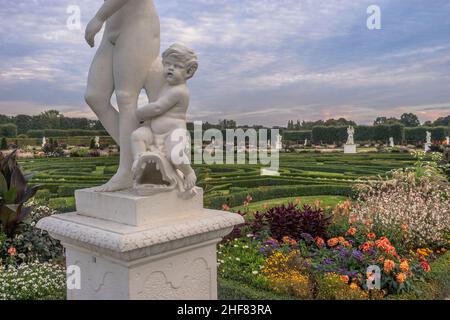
[
  {"x": 350, "y": 148},
  {"x": 130, "y": 247}
]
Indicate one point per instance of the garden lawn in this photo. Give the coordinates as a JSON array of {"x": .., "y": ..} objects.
[{"x": 325, "y": 201}]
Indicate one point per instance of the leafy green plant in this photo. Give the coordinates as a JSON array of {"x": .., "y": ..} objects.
[{"x": 14, "y": 193}]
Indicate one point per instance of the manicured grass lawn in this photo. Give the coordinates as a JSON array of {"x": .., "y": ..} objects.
[{"x": 325, "y": 201}]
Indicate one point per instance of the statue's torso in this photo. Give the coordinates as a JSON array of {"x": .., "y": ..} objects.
[{"x": 134, "y": 14}]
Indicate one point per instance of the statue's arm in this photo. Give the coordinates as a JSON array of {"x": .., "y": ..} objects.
[
  {"x": 109, "y": 8},
  {"x": 95, "y": 25},
  {"x": 159, "y": 107}
]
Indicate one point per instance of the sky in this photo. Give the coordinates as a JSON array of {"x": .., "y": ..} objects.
[{"x": 261, "y": 62}]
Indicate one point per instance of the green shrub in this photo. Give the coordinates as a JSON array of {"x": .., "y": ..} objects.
[
  {"x": 34, "y": 281},
  {"x": 8, "y": 130},
  {"x": 64, "y": 204}
]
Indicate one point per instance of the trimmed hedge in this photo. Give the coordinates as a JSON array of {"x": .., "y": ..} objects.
[
  {"x": 234, "y": 290},
  {"x": 260, "y": 194},
  {"x": 52, "y": 133},
  {"x": 297, "y": 136},
  {"x": 419, "y": 134},
  {"x": 380, "y": 133}
]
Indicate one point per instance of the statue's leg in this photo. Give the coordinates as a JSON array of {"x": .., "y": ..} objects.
[
  {"x": 100, "y": 88},
  {"x": 134, "y": 53}
]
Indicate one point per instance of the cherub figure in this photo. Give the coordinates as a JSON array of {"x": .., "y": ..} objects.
[{"x": 164, "y": 119}]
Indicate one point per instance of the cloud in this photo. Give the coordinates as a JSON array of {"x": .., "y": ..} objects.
[{"x": 261, "y": 61}]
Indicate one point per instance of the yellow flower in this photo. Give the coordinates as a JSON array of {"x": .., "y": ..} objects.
[{"x": 354, "y": 286}]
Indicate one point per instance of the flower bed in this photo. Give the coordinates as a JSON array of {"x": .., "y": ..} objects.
[{"x": 304, "y": 252}]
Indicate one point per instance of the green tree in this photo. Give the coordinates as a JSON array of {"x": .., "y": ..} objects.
[
  {"x": 23, "y": 123},
  {"x": 410, "y": 120},
  {"x": 442, "y": 121}
]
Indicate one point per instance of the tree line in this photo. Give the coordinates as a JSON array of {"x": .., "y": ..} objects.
[{"x": 11, "y": 126}]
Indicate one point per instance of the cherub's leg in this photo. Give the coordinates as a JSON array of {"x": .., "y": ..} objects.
[
  {"x": 176, "y": 148},
  {"x": 134, "y": 53},
  {"x": 141, "y": 139},
  {"x": 100, "y": 88}
]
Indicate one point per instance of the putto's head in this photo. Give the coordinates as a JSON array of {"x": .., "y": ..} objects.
[{"x": 180, "y": 63}]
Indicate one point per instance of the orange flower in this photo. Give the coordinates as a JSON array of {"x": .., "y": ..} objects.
[
  {"x": 341, "y": 240},
  {"x": 298, "y": 200},
  {"x": 351, "y": 231},
  {"x": 12, "y": 251},
  {"x": 401, "y": 277},
  {"x": 389, "y": 265},
  {"x": 333, "y": 242},
  {"x": 371, "y": 236},
  {"x": 266, "y": 206},
  {"x": 320, "y": 242},
  {"x": 404, "y": 266},
  {"x": 366, "y": 246},
  {"x": 345, "y": 278},
  {"x": 404, "y": 228},
  {"x": 347, "y": 244}
]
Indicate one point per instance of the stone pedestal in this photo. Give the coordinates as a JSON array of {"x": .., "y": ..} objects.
[
  {"x": 427, "y": 147},
  {"x": 131, "y": 247},
  {"x": 350, "y": 148}
]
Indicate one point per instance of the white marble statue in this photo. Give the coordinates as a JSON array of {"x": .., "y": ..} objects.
[
  {"x": 97, "y": 142},
  {"x": 447, "y": 140},
  {"x": 391, "y": 142},
  {"x": 44, "y": 142},
  {"x": 156, "y": 144},
  {"x": 279, "y": 144},
  {"x": 125, "y": 63},
  {"x": 351, "y": 133},
  {"x": 306, "y": 142},
  {"x": 428, "y": 137}
]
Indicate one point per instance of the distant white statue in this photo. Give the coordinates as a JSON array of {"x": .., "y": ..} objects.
[
  {"x": 97, "y": 142},
  {"x": 44, "y": 142},
  {"x": 306, "y": 142},
  {"x": 447, "y": 140},
  {"x": 427, "y": 146},
  {"x": 351, "y": 133},
  {"x": 391, "y": 142},
  {"x": 279, "y": 144},
  {"x": 428, "y": 137}
]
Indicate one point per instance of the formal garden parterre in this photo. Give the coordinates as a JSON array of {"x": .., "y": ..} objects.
[{"x": 309, "y": 234}]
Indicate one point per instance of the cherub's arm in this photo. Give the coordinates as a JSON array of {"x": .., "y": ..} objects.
[
  {"x": 108, "y": 8},
  {"x": 159, "y": 107}
]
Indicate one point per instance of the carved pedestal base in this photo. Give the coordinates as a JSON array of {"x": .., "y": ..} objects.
[
  {"x": 350, "y": 148},
  {"x": 128, "y": 258}
]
